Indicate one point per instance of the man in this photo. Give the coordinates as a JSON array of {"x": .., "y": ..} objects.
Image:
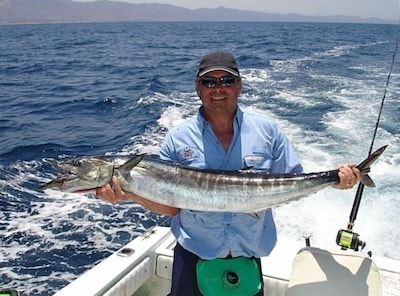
[{"x": 223, "y": 137}]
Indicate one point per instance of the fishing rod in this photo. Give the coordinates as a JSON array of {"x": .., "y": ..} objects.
[{"x": 346, "y": 238}]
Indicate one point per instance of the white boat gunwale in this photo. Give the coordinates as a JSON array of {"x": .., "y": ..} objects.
[{"x": 144, "y": 267}]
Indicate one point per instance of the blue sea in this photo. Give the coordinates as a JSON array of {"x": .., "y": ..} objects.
[{"x": 69, "y": 90}]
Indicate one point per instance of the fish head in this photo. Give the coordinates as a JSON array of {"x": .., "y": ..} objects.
[{"x": 81, "y": 174}]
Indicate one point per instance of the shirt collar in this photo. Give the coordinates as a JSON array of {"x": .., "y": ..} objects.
[{"x": 238, "y": 119}]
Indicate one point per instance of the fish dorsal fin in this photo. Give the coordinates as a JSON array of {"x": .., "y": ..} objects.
[{"x": 131, "y": 163}]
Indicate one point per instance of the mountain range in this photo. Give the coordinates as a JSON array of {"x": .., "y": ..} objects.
[{"x": 63, "y": 11}]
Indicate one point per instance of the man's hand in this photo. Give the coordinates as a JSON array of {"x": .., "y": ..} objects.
[
  {"x": 349, "y": 176},
  {"x": 113, "y": 192}
]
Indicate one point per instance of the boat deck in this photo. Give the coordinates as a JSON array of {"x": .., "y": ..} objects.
[{"x": 144, "y": 266}]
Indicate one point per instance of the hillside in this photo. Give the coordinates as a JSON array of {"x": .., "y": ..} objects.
[{"x": 55, "y": 11}]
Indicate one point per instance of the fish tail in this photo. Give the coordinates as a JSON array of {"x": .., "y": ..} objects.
[{"x": 364, "y": 166}]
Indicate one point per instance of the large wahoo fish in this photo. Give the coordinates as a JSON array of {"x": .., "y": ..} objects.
[{"x": 178, "y": 186}]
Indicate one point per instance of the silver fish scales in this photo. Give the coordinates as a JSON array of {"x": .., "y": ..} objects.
[{"x": 172, "y": 184}]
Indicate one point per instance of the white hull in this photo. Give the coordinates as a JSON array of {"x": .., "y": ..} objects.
[{"x": 143, "y": 267}]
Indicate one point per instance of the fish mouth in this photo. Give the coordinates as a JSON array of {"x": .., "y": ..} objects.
[
  {"x": 59, "y": 182},
  {"x": 68, "y": 183}
]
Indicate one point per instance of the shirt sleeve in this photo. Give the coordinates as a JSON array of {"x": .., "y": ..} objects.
[
  {"x": 167, "y": 151},
  {"x": 284, "y": 156}
]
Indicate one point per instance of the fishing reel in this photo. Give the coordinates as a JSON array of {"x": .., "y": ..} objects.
[{"x": 348, "y": 239}]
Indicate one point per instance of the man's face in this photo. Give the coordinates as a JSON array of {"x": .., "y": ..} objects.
[{"x": 219, "y": 92}]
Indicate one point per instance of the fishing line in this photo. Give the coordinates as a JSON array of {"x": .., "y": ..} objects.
[
  {"x": 361, "y": 186},
  {"x": 384, "y": 96},
  {"x": 347, "y": 238}
]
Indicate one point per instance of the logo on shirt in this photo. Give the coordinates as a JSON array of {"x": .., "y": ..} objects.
[{"x": 187, "y": 153}]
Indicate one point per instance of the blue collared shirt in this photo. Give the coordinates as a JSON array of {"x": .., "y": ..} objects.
[{"x": 258, "y": 143}]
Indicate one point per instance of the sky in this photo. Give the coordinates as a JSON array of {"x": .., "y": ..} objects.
[{"x": 384, "y": 9}]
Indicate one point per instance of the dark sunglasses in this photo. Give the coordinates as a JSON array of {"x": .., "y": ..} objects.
[{"x": 226, "y": 81}]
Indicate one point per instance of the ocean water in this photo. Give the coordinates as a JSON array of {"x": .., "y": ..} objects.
[{"x": 116, "y": 88}]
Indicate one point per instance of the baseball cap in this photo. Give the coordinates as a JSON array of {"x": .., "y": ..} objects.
[{"x": 219, "y": 60}]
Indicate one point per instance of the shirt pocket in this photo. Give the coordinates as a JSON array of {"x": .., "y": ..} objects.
[{"x": 258, "y": 160}]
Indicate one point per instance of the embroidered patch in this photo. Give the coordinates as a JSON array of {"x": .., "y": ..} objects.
[{"x": 187, "y": 153}]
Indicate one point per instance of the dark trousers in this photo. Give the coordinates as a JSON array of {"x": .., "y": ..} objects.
[{"x": 184, "y": 281}]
